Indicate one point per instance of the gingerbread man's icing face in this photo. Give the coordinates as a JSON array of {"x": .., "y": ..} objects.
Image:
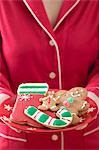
[
  {"x": 77, "y": 93},
  {"x": 74, "y": 95}
]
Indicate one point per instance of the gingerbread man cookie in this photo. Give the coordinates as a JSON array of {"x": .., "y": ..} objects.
[
  {"x": 49, "y": 102},
  {"x": 74, "y": 101}
]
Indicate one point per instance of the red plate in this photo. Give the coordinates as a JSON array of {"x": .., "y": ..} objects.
[{"x": 7, "y": 106}]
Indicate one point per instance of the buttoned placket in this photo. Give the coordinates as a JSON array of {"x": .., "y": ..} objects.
[
  {"x": 52, "y": 39},
  {"x": 52, "y": 42},
  {"x": 52, "y": 74}
]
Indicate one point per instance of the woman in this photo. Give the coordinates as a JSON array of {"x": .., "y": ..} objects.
[{"x": 55, "y": 42}]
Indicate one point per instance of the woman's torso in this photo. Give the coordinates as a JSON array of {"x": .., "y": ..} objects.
[{"x": 33, "y": 51}]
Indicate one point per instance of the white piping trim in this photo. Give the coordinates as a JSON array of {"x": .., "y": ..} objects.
[
  {"x": 66, "y": 14},
  {"x": 12, "y": 138},
  {"x": 16, "y": 130},
  {"x": 92, "y": 131},
  {"x": 62, "y": 141},
  {"x": 57, "y": 49}
]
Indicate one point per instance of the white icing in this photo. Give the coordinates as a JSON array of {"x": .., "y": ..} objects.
[
  {"x": 75, "y": 95},
  {"x": 84, "y": 104},
  {"x": 33, "y": 87}
]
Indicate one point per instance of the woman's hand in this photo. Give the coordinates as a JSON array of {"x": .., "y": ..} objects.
[{"x": 3, "y": 97}]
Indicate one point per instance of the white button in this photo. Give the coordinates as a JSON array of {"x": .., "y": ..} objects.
[
  {"x": 54, "y": 137},
  {"x": 52, "y": 75},
  {"x": 51, "y": 43}
]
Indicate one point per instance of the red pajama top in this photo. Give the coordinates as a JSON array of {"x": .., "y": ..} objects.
[{"x": 32, "y": 51}]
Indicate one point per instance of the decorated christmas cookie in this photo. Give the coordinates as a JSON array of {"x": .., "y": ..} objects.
[
  {"x": 27, "y": 94},
  {"x": 33, "y": 88},
  {"x": 65, "y": 117},
  {"x": 75, "y": 101},
  {"x": 51, "y": 100}
]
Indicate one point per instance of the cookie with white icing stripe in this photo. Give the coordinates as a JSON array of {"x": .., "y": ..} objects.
[
  {"x": 28, "y": 94},
  {"x": 65, "y": 117},
  {"x": 33, "y": 88}
]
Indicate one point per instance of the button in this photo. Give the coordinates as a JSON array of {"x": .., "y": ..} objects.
[
  {"x": 51, "y": 43},
  {"x": 52, "y": 75},
  {"x": 54, "y": 137}
]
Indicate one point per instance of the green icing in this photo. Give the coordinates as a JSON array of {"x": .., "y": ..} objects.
[
  {"x": 31, "y": 111},
  {"x": 31, "y": 92},
  {"x": 30, "y": 86},
  {"x": 58, "y": 122},
  {"x": 70, "y": 99},
  {"x": 66, "y": 114},
  {"x": 43, "y": 118}
]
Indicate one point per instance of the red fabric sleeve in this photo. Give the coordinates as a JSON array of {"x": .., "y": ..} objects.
[
  {"x": 4, "y": 84},
  {"x": 93, "y": 81}
]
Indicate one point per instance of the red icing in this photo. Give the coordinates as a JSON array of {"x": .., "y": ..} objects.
[{"x": 66, "y": 104}]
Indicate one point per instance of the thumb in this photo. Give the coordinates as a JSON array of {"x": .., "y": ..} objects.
[{"x": 3, "y": 97}]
